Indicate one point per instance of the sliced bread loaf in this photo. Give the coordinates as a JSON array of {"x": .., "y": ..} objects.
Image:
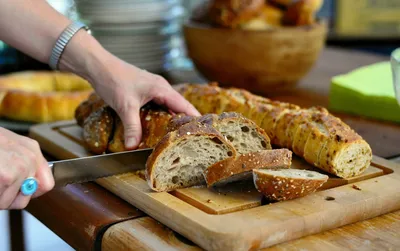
[
  {"x": 240, "y": 168},
  {"x": 287, "y": 184},
  {"x": 243, "y": 133},
  {"x": 182, "y": 155}
]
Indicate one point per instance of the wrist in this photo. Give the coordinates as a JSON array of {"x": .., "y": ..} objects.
[{"x": 84, "y": 56}]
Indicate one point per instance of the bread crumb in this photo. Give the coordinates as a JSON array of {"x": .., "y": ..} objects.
[
  {"x": 209, "y": 201},
  {"x": 356, "y": 187}
]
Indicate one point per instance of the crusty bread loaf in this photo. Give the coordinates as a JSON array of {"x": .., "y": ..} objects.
[
  {"x": 287, "y": 184},
  {"x": 313, "y": 134},
  {"x": 180, "y": 158},
  {"x": 97, "y": 129},
  {"x": 232, "y": 13},
  {"x": 90, "y": 115},
  {"x": 302, "y": 12},
  {"x": 245, "y": 135},
  {"x": 269, "y": 17},
  {"x": 240, "y": 168},
  {"x": 41, "y": 96}
]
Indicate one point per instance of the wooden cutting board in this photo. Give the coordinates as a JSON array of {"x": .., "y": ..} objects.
[{"x": 237, "y": 217}]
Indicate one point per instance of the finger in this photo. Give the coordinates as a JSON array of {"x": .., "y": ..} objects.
[
  {"x": 132, "y": 127},
  {"x": 45, "y": 179},
  {"x": 20, "y": 202},
  {"x": 10, "y": 193},
  {"x": 177, "y": 103},
  {"x": 16, "y": 167}
]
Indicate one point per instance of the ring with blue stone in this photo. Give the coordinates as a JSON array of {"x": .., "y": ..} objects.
[{"x": 29, "y": 186}]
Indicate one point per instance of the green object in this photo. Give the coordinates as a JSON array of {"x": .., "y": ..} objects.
[{"x": 367, "y": 91}]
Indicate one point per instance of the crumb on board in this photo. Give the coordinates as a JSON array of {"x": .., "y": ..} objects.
[
  {"x": 208, "y": 201},
  {"x": 356, "y": 187}
]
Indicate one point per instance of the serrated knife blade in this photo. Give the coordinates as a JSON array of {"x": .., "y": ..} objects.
[{"x": 90, "y": 168}]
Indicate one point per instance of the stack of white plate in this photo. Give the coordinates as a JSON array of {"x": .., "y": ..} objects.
[{"x": 145, "y": 33}]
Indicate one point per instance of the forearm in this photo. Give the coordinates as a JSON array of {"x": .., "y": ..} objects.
[{"x": 33, "y": 26}]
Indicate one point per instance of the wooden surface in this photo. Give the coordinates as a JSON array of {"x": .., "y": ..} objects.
[
  {"x": 237, "y": 222},
  {"x": 377, "y": 233},
  {"x": 380, "y": 233},
  {"x": 81, "y": 213}
]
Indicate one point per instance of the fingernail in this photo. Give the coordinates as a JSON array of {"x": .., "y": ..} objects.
[{"x": 130, "y": 142}]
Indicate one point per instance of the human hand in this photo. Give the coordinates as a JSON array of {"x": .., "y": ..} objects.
[
  {"x": 20, "y": 158},
  {"x": 127, "y": 88}
]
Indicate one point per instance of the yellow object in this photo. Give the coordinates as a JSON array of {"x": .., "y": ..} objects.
[
  {"x": 367, "y": 18},
  {"x": 41, "y": 96}
]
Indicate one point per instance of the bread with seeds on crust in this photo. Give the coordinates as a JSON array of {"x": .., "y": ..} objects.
[
  {"x": 314, "y": 134},
  {"x": 240, "y": 168},
  {"x": 179, "y": 159},
  {"x": 287, "y": 184},
  {"x": 245, "y": 135}
]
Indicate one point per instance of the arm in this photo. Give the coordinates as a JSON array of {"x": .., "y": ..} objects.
[{"x": 33, "y": 27}]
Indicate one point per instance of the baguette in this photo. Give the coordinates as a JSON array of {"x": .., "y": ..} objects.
[
  {"x": 287, "y": 184},
  {"x": 313, "y": 134},
  {"x": 180, "y": 158},
  {"x": 240, "y": 168}
]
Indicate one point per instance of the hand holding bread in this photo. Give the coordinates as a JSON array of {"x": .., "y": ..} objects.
[{"x": 233, "y": 140}]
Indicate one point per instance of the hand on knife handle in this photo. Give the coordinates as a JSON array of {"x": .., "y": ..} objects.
[{"x": 20, "y": 157}]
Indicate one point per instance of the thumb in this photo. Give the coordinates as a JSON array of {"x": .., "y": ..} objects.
[{"x": 132, "y": 127}]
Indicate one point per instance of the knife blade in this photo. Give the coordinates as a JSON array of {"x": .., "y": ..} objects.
[{"x": 90, "y": 168}]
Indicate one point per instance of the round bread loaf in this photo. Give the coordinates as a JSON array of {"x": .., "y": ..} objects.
[{"x": 41, "y": 96}]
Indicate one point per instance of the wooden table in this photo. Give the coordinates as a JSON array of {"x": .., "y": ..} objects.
[{"x": 89, "y": 217}]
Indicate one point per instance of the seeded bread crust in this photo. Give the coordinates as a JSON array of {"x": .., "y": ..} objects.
[
  {"x": 186, "y": 132},
  {"x": 221, "y": 123},
  {"x": 97, "y": 130},
  {"x": 327, "y": 145},
  {"x": 240, "y": 168},
  {"x": 313, "y": 134},
  {"x": 275, "y": 186}
]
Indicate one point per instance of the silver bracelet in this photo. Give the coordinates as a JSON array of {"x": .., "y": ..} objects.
[{"x": 62, "y": 42}]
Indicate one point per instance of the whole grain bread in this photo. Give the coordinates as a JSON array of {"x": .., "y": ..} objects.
[
  {"x": 287, "y": 184},
  {"x": 181, "y": 157},
  {"x": 240, "y": 168},
  {"x": 245, "y": 135},
  {"x": 314, "y": 134}
]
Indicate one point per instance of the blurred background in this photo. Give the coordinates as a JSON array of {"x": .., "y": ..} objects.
[{"x": 149, "y": 35}]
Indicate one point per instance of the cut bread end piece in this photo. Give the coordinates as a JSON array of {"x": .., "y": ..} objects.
[
  {"x": 287, "y": 184},
  {"x": 235, "y": 169},
  {"x": 179, "y": 159}
]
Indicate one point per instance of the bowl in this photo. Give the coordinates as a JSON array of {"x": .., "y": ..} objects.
[{"x": 261, "y": 61}]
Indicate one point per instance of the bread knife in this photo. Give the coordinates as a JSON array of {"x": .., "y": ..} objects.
[{"x": 80, "y": 170}]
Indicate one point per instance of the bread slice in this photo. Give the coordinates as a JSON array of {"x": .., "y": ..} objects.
[
  {"x": 243, "y": 133},
  {"x": 234, "y": 169},
  {"x": 287, "y": 184},
  {"x": 181, "y": 157}
]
